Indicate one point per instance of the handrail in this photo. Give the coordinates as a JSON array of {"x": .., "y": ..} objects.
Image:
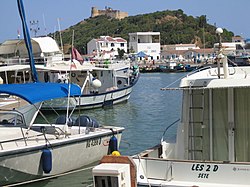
[
  {"x": 169, "y": 127},
  {"x": 25, "y": 138}
]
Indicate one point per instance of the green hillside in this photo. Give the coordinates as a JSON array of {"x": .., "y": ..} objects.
[{"x": 174, "y": 26}]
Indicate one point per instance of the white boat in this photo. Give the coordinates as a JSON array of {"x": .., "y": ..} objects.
[
  {"x": 30, "y": 150},
  {"x": 212, "y": 141},
  {"x": 103, "y": 83}
]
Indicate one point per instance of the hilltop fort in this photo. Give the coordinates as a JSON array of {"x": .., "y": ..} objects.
[{"x": 117, "y": 14}]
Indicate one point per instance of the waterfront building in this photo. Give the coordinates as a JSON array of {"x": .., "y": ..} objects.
[
  {"x": 179, "y": 47},
  {"x": 146, "y": 42},
  {"x": 106, "y": 45},
  {"x": 195, "y": 55}
]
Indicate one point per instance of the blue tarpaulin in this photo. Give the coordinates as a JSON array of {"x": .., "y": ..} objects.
[{"x": 38, "y": 92}]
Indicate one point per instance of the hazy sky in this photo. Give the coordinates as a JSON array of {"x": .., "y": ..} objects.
[{"x": 229, "y": 14}]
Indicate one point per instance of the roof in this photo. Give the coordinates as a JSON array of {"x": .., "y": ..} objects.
[
  {"x": 38, "y": 92},
  {"x": 110, "y": 39},
  {"x": 120, "y": 40},
  {"x": 39, "y": 45},
  {"x": 47, "y": 44},
  {"x": 145, "y": 33}
]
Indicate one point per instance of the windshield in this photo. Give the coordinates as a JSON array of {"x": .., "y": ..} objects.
[{"x": 14, "y": 119}]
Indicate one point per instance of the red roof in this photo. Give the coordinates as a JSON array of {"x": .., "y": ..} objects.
[{"x": 110, "y": 39}]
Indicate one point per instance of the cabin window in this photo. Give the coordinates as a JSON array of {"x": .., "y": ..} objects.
[{"x": 220, "y": 124}]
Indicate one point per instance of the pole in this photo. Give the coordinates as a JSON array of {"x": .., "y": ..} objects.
[{"x": 59, "y": 27}]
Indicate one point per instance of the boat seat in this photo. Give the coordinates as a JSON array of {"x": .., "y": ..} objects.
[
  {"x": 62, "y": 120},
  {"x": 86, "y": 121}
]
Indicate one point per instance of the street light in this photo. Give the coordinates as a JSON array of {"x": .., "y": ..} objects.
[{"x": 219, "y": 31}]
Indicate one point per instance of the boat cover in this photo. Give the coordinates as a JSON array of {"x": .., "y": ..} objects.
[
  {"x": 38, "y": 92},
  {"x": 39, "y": 45}
]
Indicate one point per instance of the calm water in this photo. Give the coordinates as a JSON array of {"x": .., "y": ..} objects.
[{"x": 145, "y": 117}]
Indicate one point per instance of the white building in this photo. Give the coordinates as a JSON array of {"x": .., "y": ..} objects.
[
  {"x": 230, "y": 48},
  {"x": 106, "y": 45},
  {"x": 147, "y": 42},
  {"x": 179, "y": 47}
]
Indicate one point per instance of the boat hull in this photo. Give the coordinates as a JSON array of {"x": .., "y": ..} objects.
[
  {"x": 90, "y": 101},
  {"x": 67, "y": 155},
  {"x": 174, "y": 172}
]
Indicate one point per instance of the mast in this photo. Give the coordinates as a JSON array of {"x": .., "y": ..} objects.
[
  {"x": 60, "y": 34},
  {"x": 27, "y": 40}
]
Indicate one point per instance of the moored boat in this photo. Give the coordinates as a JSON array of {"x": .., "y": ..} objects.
[
  {"x": 31, "y": 150},
  {"x": 212, "y": 140}
]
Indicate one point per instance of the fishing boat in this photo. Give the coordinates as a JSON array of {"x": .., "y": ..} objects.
[
  {"x": 32, "y": 150},
  {"x": 212, "y": 139},
  {"x": 101, "y": 84}
]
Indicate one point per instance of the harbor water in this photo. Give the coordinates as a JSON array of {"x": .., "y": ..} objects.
[{"x": 145, "y": 116}]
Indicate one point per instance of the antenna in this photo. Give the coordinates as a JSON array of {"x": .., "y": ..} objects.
[
  {"x": 44, "y": 24},
  {"x": 59, "y": 27},
  {"x": 34, "y": 27}
]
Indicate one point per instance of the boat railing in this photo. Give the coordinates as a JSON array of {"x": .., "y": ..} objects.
[
  {"x": 24, "y": 138},
  {"x": 40, "y": 130},
  {"x": 199, "y": 69}
]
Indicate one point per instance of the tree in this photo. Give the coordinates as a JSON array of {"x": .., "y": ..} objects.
[{"x": 120, "y": 53}]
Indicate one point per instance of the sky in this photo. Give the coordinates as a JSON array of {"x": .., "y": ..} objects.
[{"x": 232, "y": 15}]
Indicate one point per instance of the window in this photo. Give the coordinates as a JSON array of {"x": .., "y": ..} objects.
[
  {"x": 122, "y": 44},
  {"x": 112, "y": 44}
]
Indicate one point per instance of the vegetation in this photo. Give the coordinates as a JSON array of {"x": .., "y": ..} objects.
[{"x": 175, "y": 27}]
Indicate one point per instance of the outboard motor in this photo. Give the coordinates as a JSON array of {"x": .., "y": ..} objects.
[{"x": 86, "y": 121}]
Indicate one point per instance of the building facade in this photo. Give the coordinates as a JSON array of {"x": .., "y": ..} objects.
[
  {"x": 189, "y": 55},
  {"x": 146, "y": 42},
  {"x": 106, "y": 45}
]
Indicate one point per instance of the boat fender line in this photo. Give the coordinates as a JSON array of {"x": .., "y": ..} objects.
[
  {"x": 46, "y": 160},
  {"x": 112, "y": 143}
]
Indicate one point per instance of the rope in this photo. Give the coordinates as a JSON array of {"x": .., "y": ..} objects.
[{"x": 50, "y": 177}]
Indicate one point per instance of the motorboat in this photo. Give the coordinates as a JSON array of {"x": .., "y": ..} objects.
[
  {"x": 31, "y": 150},
  {"x": 101, "y": 84},
  {"x": 212, "y": 140}
]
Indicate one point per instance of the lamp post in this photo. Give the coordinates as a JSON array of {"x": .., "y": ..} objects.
[{"x": 219, "y": 31}]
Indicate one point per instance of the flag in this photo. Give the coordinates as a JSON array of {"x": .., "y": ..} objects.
[{"x": 76, "y": 55}]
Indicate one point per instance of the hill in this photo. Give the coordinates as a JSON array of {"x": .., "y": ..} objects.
[{"x": 175, "y": 27}]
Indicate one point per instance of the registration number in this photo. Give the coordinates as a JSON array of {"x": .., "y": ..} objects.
[{"x": 93, "y": 142}]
